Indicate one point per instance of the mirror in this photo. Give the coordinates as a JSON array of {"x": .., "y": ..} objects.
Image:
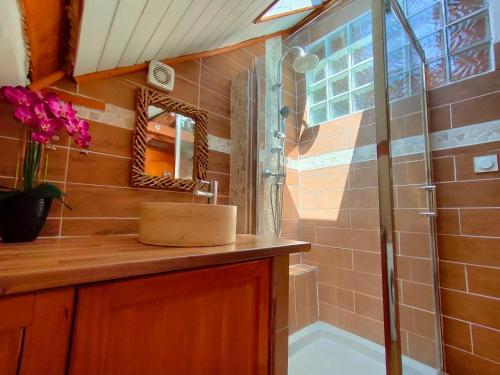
[{"x": 169, "y": 144}]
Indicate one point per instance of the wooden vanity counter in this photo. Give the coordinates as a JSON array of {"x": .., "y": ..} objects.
[
  {"x": 51, "y": 263},
  {"x": 114, "y": 306}
]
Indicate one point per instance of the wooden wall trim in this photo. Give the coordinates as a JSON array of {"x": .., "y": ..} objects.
[
  {"x": 46, "y": 81},
  {"x": 193, "y": 56},
  {"x": 77, "y": 99}
]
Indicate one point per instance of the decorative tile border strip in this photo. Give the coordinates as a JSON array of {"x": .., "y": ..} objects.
[
  {"x": 457, "y": 137},
  {"x": 466, "y": 136},
  {"x": 219, "y": 144},
  {"x": 125, "y": 118},
  {"x": 113, "y": 115},
  {"x": 332, "y": 159}
]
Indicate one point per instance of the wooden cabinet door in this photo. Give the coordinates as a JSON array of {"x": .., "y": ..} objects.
[
  {"x": 209, "y": 321},
  {"x": 35, "y": 332}
]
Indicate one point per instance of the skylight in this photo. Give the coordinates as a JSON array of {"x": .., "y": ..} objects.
[{"x": 283, "y": 8}]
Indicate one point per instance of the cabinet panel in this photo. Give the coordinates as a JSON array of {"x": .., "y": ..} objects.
[
  {"x": 10, "y": 350},
  {"x": 35, "y": 333},
  {"x": 210, "y": 321}
]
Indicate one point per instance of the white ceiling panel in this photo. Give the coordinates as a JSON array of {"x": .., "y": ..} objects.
[
  {"x": 221, "y": 25},
  {"x": 172, "y": 18},
  {"x": 209, "y": 16},
  {"x": 125, "y": 20},
  {"x": 117, "y": 33},
  {"x": 240, "y": 22},
  {"x": 147, "y": 25},
  {"x": 95, "y": 27}
]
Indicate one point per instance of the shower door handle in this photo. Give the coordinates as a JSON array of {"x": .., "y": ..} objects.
[
  {"x": 429, "y": 214},
  {"x": 431, "y": 191}
]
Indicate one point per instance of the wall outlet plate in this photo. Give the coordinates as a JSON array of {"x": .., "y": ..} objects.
[{"x": 487, "y": 163}]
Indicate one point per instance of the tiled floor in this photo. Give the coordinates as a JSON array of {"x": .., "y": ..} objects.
[{"x": 322, "y": 349}]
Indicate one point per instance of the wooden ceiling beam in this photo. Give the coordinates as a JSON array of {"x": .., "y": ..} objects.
[
  {"x": 46, "y": 81},
  {"x": 175, "y": 60},
  {"x": 46, "y": 28}
]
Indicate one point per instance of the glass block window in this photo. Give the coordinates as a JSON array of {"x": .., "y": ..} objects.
[
  {"x": 455, "y": 35},
  {"x": 343, "y": 81}
]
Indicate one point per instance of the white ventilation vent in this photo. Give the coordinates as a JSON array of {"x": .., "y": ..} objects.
[{"x": 161, "y": 76}]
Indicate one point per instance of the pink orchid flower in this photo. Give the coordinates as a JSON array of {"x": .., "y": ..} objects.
[
  {"x": 76, "y": 125},
  {"x": 67, "y": 110},
  {"x": 55, "y": 106},
  {"x": 19, "y": 95},
  {"x": 50, "y": 126},
  {"x": 82, "y": 126},
  {"x": 40, "y": 137},
  {"x": 83, "y": 140},
  {"x": 26, "y": 115},
  {"x": 40, "y": 112},
  {"x": 10, "y": 94},
  {"x": 46, "y": 114},
  {"x": 72, "y": 126},
  {"x": 28, "y": 97}
]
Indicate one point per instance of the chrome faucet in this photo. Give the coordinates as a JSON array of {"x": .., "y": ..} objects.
[{"x": 212, "y": 194}]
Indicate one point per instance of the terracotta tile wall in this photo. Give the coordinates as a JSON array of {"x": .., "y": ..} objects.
[
  {"x": 413, "y": 255},
  {"x": 303, "y": 300},
  {"x": 339, "y": 216},
  {"x": 97, "y": 184},
  {"x": 291, "y": 217},
  {"x": 338, "y": 209},
  {"x": 468, "y": 229}
]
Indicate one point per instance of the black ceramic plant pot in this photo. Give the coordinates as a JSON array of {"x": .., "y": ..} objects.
[{"x": 22, "y": 217}]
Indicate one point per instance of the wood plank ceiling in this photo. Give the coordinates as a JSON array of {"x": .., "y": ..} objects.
[{"x": 119, "y": 33}]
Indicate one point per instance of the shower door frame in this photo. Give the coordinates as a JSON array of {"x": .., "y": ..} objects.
[{"x": 380, "y": 8}]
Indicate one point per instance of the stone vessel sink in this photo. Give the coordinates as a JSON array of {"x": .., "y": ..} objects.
[{"x": 187, "y": 224}]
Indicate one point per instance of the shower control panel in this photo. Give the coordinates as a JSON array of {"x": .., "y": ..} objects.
[{"x": 488, "y": 163}]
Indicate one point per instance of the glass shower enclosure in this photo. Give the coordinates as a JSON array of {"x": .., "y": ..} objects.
[
  {"x": 408, "y": 204},
  {"x": 358, "y": 187}
]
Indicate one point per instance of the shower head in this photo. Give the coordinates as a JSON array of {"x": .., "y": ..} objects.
[
  {"x": 285, "y": 111},
  {"x": 305, "y": 62}
]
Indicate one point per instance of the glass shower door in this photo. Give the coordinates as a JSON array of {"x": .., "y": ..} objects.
[{"x": 408, "y": 203}]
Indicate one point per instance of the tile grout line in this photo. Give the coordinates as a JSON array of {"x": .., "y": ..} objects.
[
  {"x": 469, "y": 264},
  {"x": 474, "y": 354},
  {"x": 468, "y": 322},
  {"x": 472, "y": 294}
]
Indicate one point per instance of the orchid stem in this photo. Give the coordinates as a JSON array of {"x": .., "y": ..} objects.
[
  {"x": 31, "y": 162},
  {"x": 46, "y": 166}
]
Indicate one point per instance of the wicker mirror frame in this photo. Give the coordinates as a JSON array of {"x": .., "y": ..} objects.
[{"x": 146, "y": 97}]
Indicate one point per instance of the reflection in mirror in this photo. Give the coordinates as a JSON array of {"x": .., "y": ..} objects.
[{"x": 170, "y": 144}]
